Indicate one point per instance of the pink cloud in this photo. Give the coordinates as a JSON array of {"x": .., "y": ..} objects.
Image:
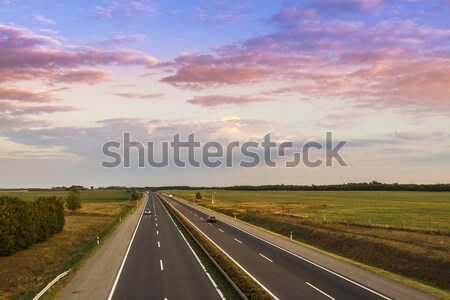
[
  {"x": 392, "y": 63},
  {"x": 139, "y": 96},
  {"x": 220, "y": 100},
  {"x": 193, "y": 76},
  {"x": 25, "y": 95},
  {"x": 25, "y": 55},
  {"x": 11, "y": 109},
  {"x": 83, "y": 76},
  {"x": 43, "y": 19}
]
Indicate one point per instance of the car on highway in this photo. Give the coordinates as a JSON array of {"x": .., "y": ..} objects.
[
  {"x": 211, "y": 219},
  {"x": 147, "y": 211}
]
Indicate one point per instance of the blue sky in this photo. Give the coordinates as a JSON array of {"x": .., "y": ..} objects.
[{"x": 76, "y": 74}]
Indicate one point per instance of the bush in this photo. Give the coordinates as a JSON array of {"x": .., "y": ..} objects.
[
  {"x": 135, "y": 195},
  {"x": 73, "y": 201},
  {"x": 23, "y": 223}
]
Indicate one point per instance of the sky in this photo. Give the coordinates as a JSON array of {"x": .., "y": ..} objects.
[{"x": 75, "y": 75}]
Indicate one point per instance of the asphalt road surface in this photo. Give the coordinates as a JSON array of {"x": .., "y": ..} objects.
[
  {"x": 284, "y": 275},
  {"x": 160, "y": 264}
]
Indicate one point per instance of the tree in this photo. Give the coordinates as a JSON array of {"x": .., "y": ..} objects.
[
  {"x": 135, "y": 195},
  {"x": 73, "y": 201},
  {"x": 198, "y": 196}
]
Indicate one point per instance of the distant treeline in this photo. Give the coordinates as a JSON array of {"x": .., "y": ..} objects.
[
  {"x": 24, "y": 223},
  {"x": 364, "y": 186}
]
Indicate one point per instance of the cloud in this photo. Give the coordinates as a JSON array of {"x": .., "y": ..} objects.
[
  {"x": 139, "y": 96},
  {"x": 81, "y": 76},
  {"x": 43, "y": 19},
  {"x": 85, "y": 142},
  {"x": 383, "y": 63},
  {"x": 339, "y": 121},
  {"x": 221, "y": 100},
  {"x": 229, "y": 118},
  {"x": 348, "y": 5},
  {"x": 409, "y": 135},
  {"x": 199, "y": 76},
  {"x": 121, "y": 39},
  {"x": 25, "y": 95},
  {"x": 125, "y": 9},
  {"x": 12, "y": 109},
  {"x": 25, "y": 55}
]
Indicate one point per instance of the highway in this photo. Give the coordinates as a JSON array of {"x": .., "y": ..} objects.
[
  {"x": 160, "y": 264},
  {"x": 284, "y": 275}
]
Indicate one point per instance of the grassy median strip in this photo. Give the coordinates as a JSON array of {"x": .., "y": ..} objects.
[
  {"x": 247, "y": 285},
  {"x": 227, "y": 290}
]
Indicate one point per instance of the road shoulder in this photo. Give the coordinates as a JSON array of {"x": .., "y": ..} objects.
[{"x": 96, "y": 278}]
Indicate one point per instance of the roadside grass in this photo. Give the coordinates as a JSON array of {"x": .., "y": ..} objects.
[
  {"x": 25, "y": 273},
  {"x": 418, "y": 254},
  {"x": 86, "y": 196}
]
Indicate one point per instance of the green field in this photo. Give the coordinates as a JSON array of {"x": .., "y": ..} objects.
[
  {"x": 427, "y": 210},
  {"x": 86, "y": 196}
]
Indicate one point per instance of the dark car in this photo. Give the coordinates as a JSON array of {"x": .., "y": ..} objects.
[
  {"x": 211, "y": 219},
  {"x": 147, "y": 211}
]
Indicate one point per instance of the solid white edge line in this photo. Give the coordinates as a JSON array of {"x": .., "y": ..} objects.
[
  {"x": 237, "y": 240},
  {"x": 195, "y": 254},
  {"x": 266, "y": 257},
  {"x": 242, "y": 268},
  {"x": 311, "y": 262},
  {"x": 320, "y": 291},
  {"x": 126, "y": 253}
]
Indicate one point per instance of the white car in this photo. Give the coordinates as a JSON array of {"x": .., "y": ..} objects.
[{"x": 147, "y": 211}]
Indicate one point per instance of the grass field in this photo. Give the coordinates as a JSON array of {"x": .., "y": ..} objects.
[
  {"x": 86, "y": 196},
  {"x": 26, "y": 272},
  {"x": 397, "y": 209},
  {"x": 404, "y": 233}
]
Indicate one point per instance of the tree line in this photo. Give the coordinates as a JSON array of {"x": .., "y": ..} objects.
[
  {"x": 364, "y": 186},
  {"x": 24, "y": 223}
]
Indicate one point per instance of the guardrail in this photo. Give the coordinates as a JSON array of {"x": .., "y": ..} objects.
[{"x": 50, "y": 284}]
